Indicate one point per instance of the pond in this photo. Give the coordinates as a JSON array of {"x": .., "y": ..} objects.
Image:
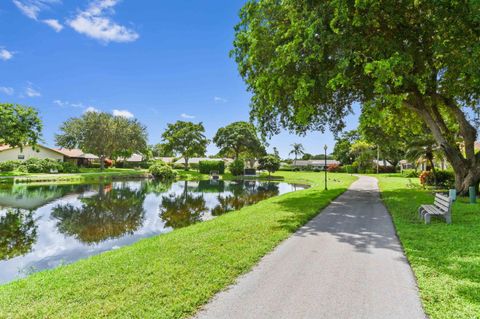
[{"x": 46, "y": 226}]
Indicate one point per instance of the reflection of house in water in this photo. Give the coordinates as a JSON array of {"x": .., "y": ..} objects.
[{"x": 32, "y": 197}]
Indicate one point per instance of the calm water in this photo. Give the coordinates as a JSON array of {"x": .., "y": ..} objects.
[{"x": 45, "y": 226}]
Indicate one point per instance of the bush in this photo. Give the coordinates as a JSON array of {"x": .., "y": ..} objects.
[
  {"x": 286, "y": 168},
  {"x": 49, "y": 165},
  {"x": 194, "y": 166},
  {"x": 162, "y": 171},
  {"x": 34, "y": 165},
  {"x": 386, "y": 169},
  {"x": 411, "y": 173},
  {"x": 143, "y": 164},
  {"x": 205, "y": 167},
  {"x": 333, "y": 168},
  {"x": 68, "y": 167},
  {"x": 9, "y": 166},
  {"x": 237, "y": 167},
  {"x": 351, "y": 169},
  {"x": 444, "y": 179}
]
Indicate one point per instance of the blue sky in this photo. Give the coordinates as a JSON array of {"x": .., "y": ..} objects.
[{"x": 161, "y": 62}]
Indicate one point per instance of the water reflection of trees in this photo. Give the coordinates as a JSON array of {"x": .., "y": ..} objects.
[
  {"x": 18, "y": 233},
  {"x": 180, "y": 210},
  {"x": 111, "y": 213},
  {"x": 244, "y": 194}
]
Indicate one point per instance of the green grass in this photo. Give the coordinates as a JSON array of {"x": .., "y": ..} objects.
[
  {"x": 171, "y": 275},
  {"x": 85, "y": 175},
  {"x": 445, "y": 258}
]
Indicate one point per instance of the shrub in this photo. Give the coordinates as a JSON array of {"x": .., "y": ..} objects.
[
  {"x": 286, "y": 167},
  {"x": 333, "y": 168},
  {"x": 162, "y": 171},
  {"x": 34, "y": 165},
  {"x": 68, "y": 167},
  {"x": 237, "y": 167},
  {"x": 386, "y": 169},
  {"x": 50, "y": 165},
  {"x": 270, "y": 163},
  {"x": 443, "y": 178},
  {"x": 194, "y": 166},
  {"x": 205, "y": 167},
  {"x": 351, "y": 169},
  {"x": 9, "y": 166},
  {"x": 411, "y": 173}
]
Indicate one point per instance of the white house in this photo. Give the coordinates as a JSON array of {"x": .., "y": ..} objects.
[
  {"x": 318, "y": 164},
  {"x": 8, "y": 153}
]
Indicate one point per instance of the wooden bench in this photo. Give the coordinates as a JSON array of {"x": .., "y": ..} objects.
[{"x": 442, "y": 206}]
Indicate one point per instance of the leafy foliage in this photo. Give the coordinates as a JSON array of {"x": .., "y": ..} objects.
[
  {"x": 162, "y": 171},
  {"x": 307, "y": 62},
  {"x": 237, "y": 167},
  {"x": 270, "y": 163},
  {"x": 205, "y": 167},
  {"x": 104, "y": 135},
  {"x": 186, "y": 138},
  {"x": 19, "y": 125},
  {"x": 237, "y": 138}
]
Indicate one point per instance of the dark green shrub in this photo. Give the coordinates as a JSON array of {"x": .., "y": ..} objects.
[
  {"x": 9, "y": 166},
  {"x": 205, "y": 167},
  {"x": 50, "y": 165},
  {"x": 351, "y": 169},
  {"x": 237, "y": 167},
  {"x": 68, "y": 167},
  {"x": 162, "y": 171},
  {"x": 193, "y": 166}
]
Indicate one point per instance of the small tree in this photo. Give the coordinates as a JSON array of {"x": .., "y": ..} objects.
[
  {"x": 297, "y": 151},
  {"x": 19, "y": 125},
  {"x": 271, "y": 163},
  {"x": 237, "y": 138},
  {"x": 186, "y": 139}
]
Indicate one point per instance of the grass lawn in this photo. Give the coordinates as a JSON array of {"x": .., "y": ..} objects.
[
  {"x": 445, "y": 258},
  {"x": 171, "y": 275},
  {"x": 85, "y": 175}
]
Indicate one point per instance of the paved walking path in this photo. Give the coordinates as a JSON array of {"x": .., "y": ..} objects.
[{"x": 345, "y": 263}]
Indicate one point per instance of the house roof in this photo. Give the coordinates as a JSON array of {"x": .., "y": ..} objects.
[
  {"x": 5, "y": 147},
  {"x": 76, "y": 153},
  {"x": 314, "y": 162},
  {"x": 134, "y": 158}
]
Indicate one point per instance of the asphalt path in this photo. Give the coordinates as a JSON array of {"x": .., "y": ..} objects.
[{"x": 347, "y": 262}]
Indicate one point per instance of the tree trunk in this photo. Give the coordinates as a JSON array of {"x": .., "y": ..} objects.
[
  {"x": 466, "y": 168},
  {"x": 186, "y": 163},
  {"x": 102, "y": 163}
]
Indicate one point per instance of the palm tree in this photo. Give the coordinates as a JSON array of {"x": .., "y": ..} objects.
[{"x": 297, "y": 151}]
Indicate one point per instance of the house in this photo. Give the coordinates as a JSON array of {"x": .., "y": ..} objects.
[
  {"x": 8, "y": 153},
  {"x": 196, "y": 160},
  {"x": 77, "y": 156},
  {"x": 314, "y": 164}
]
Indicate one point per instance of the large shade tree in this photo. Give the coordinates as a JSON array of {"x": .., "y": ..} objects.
[
  {"x": 104, "y": 135},
  {"x": 19, "y": 125},
  {"x": 307, "y": 62},
  {"x": 237, "y": 138},
  {"x": 186, "y": 139}
]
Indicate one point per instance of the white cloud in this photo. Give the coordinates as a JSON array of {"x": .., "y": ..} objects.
[
  {"x": 123, "y": 113},
  {"x": 54, "y": 24},
  {"x": 91, "y": 109},
  {"x": 187, "y": 116},
  {"x": 7, "y": 90},
  {"x": 68, "y": 104},
  {"x": 32, "y": 8},
  {"x": 218, "y": 99},
  {"x": 5, "y": 54},
  {"x": 31, "y": 92},
  {"x": 95, "y": 22}
]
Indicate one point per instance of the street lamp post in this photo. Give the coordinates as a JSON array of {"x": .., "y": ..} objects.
[{"x": 325, "y": 166}]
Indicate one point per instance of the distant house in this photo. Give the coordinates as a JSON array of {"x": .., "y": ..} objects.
[
  {"x": 167, "y": 160},
  {"x": 314, "y": 164},
  {"x": 196, "y": 160},
  {"x": 77, "y": 156},
  {"x": 8, "y": 153},
  {"x": 134, "y": 158}
]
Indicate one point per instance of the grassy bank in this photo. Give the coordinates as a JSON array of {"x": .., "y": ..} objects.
[
  {"x": 445, "y": 258},
  {"x": 85, "y": 175},
  {"x": 171, "y": 275}
]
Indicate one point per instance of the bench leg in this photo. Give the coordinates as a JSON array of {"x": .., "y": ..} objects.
[
  {"x": 420, "y": 215},
  {"x": 448, "y": 219},
  {"x": 427, "y": 218}
]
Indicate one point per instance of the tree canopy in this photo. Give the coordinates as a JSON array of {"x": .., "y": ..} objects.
[
  {"x": 104, "y": 135},
  {"x": 186, "y": 139},
  {"x": 307, "y": 62},
  {"x": 19, "y": 125},
  {"x": 237, "y": 138}
]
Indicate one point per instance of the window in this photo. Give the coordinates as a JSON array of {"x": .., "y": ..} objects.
[{"x": 21, "y": 157}]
